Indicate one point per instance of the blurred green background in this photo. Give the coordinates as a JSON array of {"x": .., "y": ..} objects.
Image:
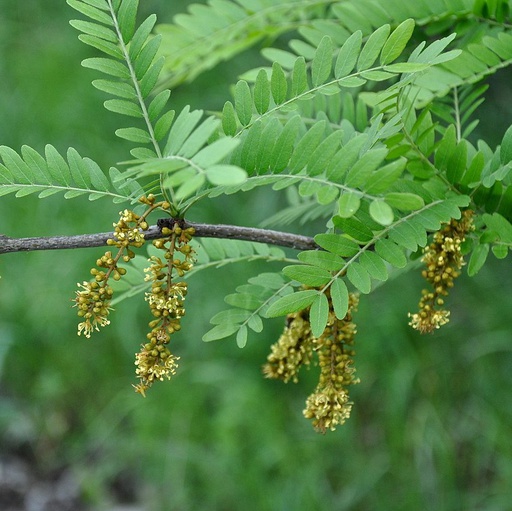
[{"x": 431, "y": 426}]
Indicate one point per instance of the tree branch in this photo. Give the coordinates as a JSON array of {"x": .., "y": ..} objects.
[{"x": 283, "y": 239}]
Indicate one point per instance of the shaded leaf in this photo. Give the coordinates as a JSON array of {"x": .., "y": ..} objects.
[
  {"x": 337, "y": 244},
  {"x": 291, "y": 303},
  {"x": 322, "y": 259},
  {"x": 322, "y": 62},
  {"x": 347, "y": 56},
  {"x": 339, "y": 297},
  {"x": 404, "y": 201},
  {"x": 307, "y": 275},
  {"x": 477, "y": 259},
  {"x": 278, "y": 84},
  {"x": 318, "y": 315},
  {"x": 220, "y": 332},
  {"x": 243, "y": 102},
  {"x": 391, "y": 253},
  {"x": 262, "y": 92},
  {"x": 241, "y": 337},
  {"x": 506, "y": 147},
  {"x": 374, "y": 265}
]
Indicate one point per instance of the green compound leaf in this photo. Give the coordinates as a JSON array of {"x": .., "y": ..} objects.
[
  {"x": 123, "y": 107},
  {"x": 220, "y": 332},
  {"x": 243, "y": 102},
  {"x": 220, "y": 175},
  {"x": 477, "y": 259},
  {"x": 319, "y": 314},
  {"x": 500, "y": 251},
  {"x": 397, "y": 42},
  {"x": 95, "y": 30},
  {"x": 229, "y": 119},
  {"x": 262, "y": 92},
  {"x": 127, "y": 17},
  {"x": 91, "y": 11},
  {"x": 339, "y": 297},
  {"x": 404, "y": 235},
  {"x": 321, "y": 259},
  {"x": 141, "y": 36},
  {"x": 241, "y": 336},
  {"x": 120, "y": 89},
  {"x": 354, "y": 228},
  {"x": 381, "y": 212},
  {"x": 307, "y": 275},
  {"x": 299, "y": 77},
  {"x": 404, "y": 201},
  {"x": 337, "y": 244},
  {"x": 348, "y": 54},
  {"x": 291, "y": 303},
  {"x": 307, "y": 144},
  {"x": 500, "y": 225},
  {"x": 374, "y": 265},
  {"x": 146, "y": 57},
  {"x": 391, "y": 253},
  {"x": 373, "y": 47},
  {"x": 348, "y": 204},
  {"x": 322, "y": 62},
  {"x": 278, "y": 84},
  {"x": 136, "y": 135},
  {"x": 107, "y": 66},
  {"x": 506, "y": 147},
  {"x": 359, "y": 277}
]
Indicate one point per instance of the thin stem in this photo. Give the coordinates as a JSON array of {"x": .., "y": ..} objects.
[{"x": 284, "y": 239}]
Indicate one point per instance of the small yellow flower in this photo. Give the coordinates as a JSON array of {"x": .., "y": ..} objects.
[
  {"x": 443, "y": 261},
  {"x": 328, "y": 406},
  {"x": 166, "y": 303},
  {"x": 293, "y": 349}
]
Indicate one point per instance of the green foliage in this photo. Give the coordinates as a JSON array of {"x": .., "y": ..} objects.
[
  {"x": 368, "y": 137},
  {"x": 336, "y": 119},
  {"x": 30, "y": 172}
]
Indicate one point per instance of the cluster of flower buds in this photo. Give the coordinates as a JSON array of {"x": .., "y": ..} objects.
[
  {"x": 94, "y": 297},
  {"x": 329, "y": 405},
  {"x": 166, "y": 302},
  {"x": 443, "y": 261},
  {"x": 293, "y": 349}
]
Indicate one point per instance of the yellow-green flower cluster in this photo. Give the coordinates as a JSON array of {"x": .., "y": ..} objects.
[
  {"x": 166, "y": 303},
  {"x": 329, "y": 405},
  {"x": 94, "y": 297},
  {"x": 443, "y": 260},
  {"x": 293, "y": 349}
]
